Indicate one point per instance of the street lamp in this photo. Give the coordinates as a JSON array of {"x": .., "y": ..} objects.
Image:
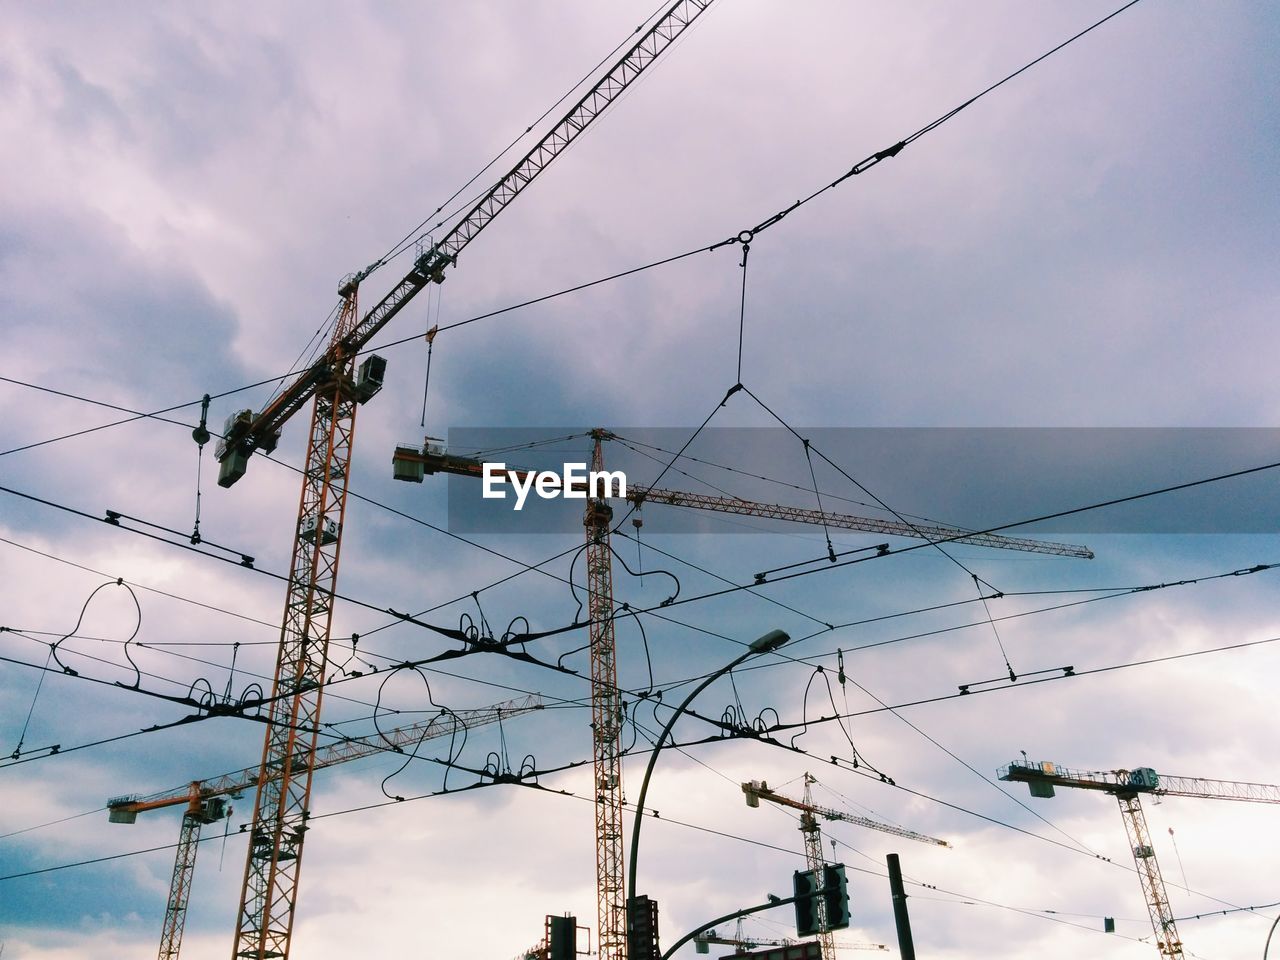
[{"x": 769, "y": 642}]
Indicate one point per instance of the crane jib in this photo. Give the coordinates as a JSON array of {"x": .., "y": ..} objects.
[{"x": 430, "y": 261}]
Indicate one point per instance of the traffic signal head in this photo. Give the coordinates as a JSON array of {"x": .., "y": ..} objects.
[
  {"x": 642, "y": 929},
  {"x": 835, "y": 896},
  {"x": 805, "y": 886},
  {"x": 562, "y": 937}
]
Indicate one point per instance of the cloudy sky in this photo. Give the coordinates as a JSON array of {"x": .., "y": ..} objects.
[{"x": 1090, "y": 246}]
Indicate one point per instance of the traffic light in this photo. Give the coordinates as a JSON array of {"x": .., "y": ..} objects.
[
  {"x": 562, "y": 938},
  {"x": 835, "y": 896},
  {"x": 805, "y": 886},
  {"x": 642, "y": 929}
]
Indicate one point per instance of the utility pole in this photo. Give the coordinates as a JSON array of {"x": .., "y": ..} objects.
[{"x": 900, "y": 917}]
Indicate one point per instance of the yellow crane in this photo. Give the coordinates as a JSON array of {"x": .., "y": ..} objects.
[
  {"x": 758, "y": 790},
  {"x": 206, "y": 799},
  {"x": 335, "y": 388},
  {"x": 1127, "y": 786}
]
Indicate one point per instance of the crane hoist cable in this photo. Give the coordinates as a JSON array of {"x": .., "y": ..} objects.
[
  {"x": 201, "y": 436},
  {"x": 430, "y": 337}
]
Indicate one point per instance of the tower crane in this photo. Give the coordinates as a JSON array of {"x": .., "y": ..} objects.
[
  {"x": 411, "y": 464},
  {"x": 758, "y": 790},
  {"x": 606, "y": 704},
  {"x": 206, "y": 799},
  {"x": 1127, "y": 786},
  {"x": 335, "y": 387}
]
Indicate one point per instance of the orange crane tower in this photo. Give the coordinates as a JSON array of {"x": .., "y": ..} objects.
[
  {"x": 268, "y": 898},
  {"x": 758, "y": 790},
  {"x": 1127, "y": 786},
  {"x": 206, "y": 804}
]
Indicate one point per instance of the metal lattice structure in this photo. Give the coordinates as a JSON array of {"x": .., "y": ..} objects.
[
  {"x": 184, "y": 864},
  {"x": 1127, "y": 786},
  {"x": 814, "y": 861},
  {"x": 1141, "y": 780},
  {"x": 1144, "y": 857},
  {"x": 758, "y": 790},
  {"x": 606, "y": 704},
  {"x": 205, "y": 805},
  {"x": 430, "y": 263},
  {"x": 414, "y": 462},
  {"x": 846, "y": 521},
  {"x": 606, "y": 726},
  {"x": 269, "y": 894},
  {"x": 270, "y": 890},
  {"x": 446, "y": 723},
  {"x": 436, "y": 258}
]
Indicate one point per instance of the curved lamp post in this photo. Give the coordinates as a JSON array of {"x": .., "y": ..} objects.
[{"x": 770, "y": 641}]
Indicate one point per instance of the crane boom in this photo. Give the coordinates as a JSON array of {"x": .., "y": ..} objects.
[
  {"x": 1138, "y": 780},
  {"x": 607, "y": 716},
  {"x": 845, "y": 521},
  {"x": 432, "y": 459},
  {"x": 442, "y": 725},
  {"x": 430, "y": 263},
  {"x": 759, "y": 790}
]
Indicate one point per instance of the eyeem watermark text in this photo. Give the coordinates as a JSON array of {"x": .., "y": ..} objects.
[{"x": 575, "y": 482}]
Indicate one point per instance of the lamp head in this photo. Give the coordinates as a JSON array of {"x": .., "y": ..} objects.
[{"x": 770, "y": 641}]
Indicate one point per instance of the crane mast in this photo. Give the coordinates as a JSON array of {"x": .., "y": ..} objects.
[
  {"x": 606, "y": 716},
  {"x": 606, "y": 725},
  {"x": 269, "y": 892},
  {"x": 199, "y": 812},
  {"x": 758, "y": 790},
  {"x": 1168, "y": 941},
  {"x": 1127, "y": 786},
  {"x": 264, "y": 922},
  {"x": 813, "y": 860}
]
